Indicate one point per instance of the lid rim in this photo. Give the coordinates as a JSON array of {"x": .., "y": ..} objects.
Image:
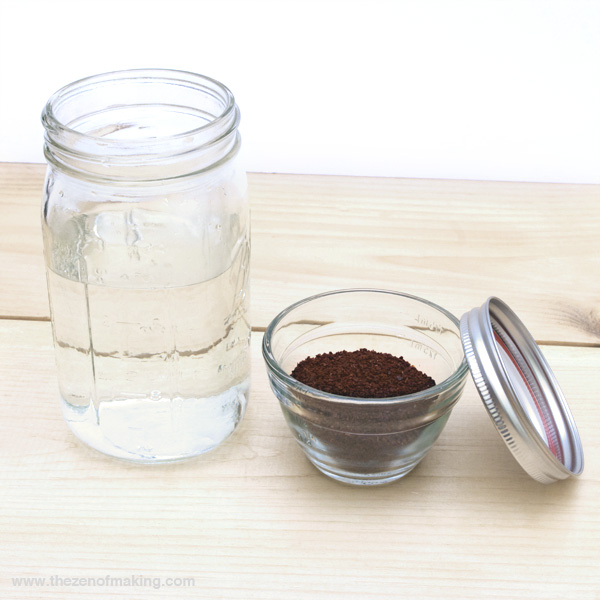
[{"x": 502, "y": 394}]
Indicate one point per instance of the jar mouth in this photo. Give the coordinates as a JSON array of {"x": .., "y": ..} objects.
[
  {"x": 273, "y": 364},
  {"x": 73, "y": 91},
  {"x": 140, "y": 116}
]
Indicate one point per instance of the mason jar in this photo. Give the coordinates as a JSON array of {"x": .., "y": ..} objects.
[{"x": 146, "y": 240}]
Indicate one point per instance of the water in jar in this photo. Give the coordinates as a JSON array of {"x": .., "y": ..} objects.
[{"x": 149, "y": 303}]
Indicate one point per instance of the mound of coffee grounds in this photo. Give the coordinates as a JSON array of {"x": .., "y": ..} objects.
[
  {"x": 362, "y": 374},
  {"x": 366, "y": 440}
]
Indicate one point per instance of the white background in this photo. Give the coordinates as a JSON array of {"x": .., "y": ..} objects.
[{"x": 469, "y": 89}]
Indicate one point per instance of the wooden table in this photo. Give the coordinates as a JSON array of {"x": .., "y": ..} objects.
[{"x": 254, "y": 519}]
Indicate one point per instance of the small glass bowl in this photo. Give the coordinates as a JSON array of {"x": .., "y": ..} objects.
[{"x": 366, "y": 441}]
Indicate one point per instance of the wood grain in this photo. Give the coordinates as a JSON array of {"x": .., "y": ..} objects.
[
  {"x": 453, "y": 242},
  {"x": 22, "y": 274},
  {"x": 255, "y": 520}
]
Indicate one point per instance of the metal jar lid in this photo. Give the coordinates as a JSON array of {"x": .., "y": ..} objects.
[{"x": 520, "y": 392}]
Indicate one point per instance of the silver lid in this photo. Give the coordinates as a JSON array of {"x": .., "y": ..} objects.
[{"x": 520, "y": 392}]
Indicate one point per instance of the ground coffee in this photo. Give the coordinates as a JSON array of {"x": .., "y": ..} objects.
[
  {"x": 362, "y": 374},
  {"x": 363, "y": 440}
]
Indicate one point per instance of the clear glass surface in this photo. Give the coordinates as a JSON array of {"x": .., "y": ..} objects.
[
  {"x": 366, "y": 441},
  {"x": 146, "y": 240}
]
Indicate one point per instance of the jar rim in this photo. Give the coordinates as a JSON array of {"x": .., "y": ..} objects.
[
  {"x": 87, "y": 124},
  {"x": 53, "y": 124}
]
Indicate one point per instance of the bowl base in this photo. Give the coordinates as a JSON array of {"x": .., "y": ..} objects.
[{"x": 363, "y": 479}]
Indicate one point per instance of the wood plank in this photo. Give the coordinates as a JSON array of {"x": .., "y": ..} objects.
[
  {"x": 254, "y": 520},
  {"x": 453, "y": 242},
  {"x": 22, "y": 275}
]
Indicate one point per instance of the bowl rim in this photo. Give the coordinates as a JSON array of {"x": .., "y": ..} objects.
[{"x": 272, "y": 364}]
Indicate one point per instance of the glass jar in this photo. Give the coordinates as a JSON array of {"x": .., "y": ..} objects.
[{"x": 146, "y": 240}]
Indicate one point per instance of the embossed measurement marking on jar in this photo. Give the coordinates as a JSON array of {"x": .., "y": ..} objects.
[
  {"x": 428, "y": 324},
  {"x": 424, "y": 348}
]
